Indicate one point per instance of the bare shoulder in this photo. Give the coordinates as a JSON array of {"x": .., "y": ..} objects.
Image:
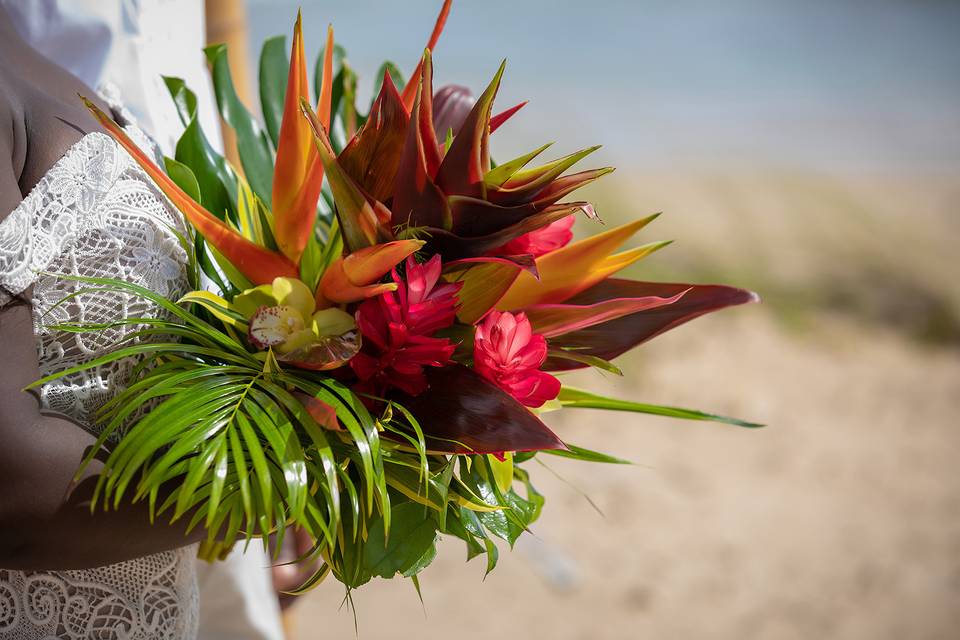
[
  {"x": 41, "y": 115},
  {"x": 12, "y": 152}
]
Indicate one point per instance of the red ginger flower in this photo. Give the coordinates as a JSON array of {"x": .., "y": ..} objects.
[
  {"x": 396, "y": 327},
  {"x": 507, "y": 353},
  {"x": 427, "y": 306},
  {"x": 540, "y": 241}
]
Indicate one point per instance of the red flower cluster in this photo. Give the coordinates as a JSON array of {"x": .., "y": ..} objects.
[
  {"x": 509, "y": 354},
  {"x": 397, "y": 328}
]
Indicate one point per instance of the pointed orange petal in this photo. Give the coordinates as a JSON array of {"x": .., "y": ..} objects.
[
  {"x": 326, "y": 91},
  {"x": 575, "y": 267},
  {"x": 293, "y": 146},
  {"x": 410, "y": 90},
  {"x": 258, "y": 264},
  {"x": 369, "y": 265},
  {"x": 298, "y": 174},
  {"x": 355, "y": 277}
]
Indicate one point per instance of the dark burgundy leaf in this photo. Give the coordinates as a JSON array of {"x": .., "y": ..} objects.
[
  {"x": 610, "y": 339},
  {"x": 453, "y": 247},
  {"x": 461, "y": 406},
  {"x": 373, "y": 155},
  {"x": 417, "y": 201},
  {"x": 468, "y": 160}
]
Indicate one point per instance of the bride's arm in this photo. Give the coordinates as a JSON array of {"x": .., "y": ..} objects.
[{"x": 41, "y": 527}]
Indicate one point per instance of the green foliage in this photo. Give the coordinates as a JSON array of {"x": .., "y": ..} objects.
[
  {"x": 253, "y": 145},
  {"x": 216, "y": 181},
  {"x": 226, "y": 444},
  {"x": 274, "y": 66},
  {"x": 577, "y": 398},
  {"x": 215, "y": 433}
]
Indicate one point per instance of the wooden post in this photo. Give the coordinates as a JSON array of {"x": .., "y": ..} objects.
[{"x": 227, "y": 23}]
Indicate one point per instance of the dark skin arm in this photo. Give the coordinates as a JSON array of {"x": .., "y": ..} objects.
[{"x": 45, "y": 521}]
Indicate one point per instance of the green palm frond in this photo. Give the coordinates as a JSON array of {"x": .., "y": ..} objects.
[{"x": 208, "y": 431}]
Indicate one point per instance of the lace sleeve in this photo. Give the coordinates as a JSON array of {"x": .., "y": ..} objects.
[
  {"x": 55, "y": 212},
  {"x": 25, "y": 251}
]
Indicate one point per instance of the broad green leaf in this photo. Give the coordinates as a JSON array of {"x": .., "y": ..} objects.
[
  {"x": 215, "y": 179},
  {"x": 253, "y": 145},
  {"x": 413, "y": 533},
  {"x": 183, "y": 176},
  {"x": 274, "y": 65},
  {"x": 422, "y": 563},
  {"x": 502, "y": 471}
]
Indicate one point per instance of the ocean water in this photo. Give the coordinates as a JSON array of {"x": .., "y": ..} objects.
[{"x": 832, "y": 86}]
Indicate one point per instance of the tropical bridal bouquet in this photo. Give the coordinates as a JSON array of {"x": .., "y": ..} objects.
[{"x": 380, "y": 318}]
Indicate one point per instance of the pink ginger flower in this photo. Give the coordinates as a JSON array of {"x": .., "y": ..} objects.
[
  {"x": 507, "y": 353},
  {"x": 540, "y": 241},
  {"x": 396, "y": 328}
]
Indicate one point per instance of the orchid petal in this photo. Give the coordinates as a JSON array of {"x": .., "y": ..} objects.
[{"x": 292, "y": 292}]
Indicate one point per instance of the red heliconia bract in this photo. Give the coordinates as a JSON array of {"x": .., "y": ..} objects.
[
  {"x": 541, "y": 241},
  {"x": 397, "y": 328},
  {"x": 452, "y": 197},
  {"x": 509, "y": 354}
]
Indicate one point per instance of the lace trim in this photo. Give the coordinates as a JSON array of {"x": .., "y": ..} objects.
[{"x": 96, "y": 214}]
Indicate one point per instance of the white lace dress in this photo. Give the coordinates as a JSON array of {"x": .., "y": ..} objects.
[{"x": 95, "y": 213}]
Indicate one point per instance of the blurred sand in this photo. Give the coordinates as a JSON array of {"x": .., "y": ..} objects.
[{"x": 839, "y": 520}]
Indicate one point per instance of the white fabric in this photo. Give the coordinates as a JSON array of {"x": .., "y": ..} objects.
[
  {"x": 127, "y": 45},
  {"x": 237, "y": 600},
  {"x": 95, "y": 213},
  {"x": 130, "y": 44}
]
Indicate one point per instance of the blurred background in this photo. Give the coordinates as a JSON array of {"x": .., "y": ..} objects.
[{"x": 809, "y": 151}]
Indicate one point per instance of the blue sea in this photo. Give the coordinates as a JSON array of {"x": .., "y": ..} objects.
[{"x": 835, "y": 86}]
